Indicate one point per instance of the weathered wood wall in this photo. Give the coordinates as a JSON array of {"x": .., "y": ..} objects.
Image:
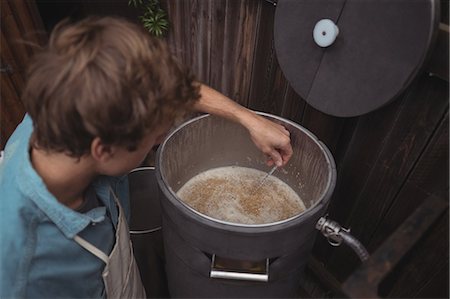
[
  {"x": 388, "y": 161},
  {"x": 20, "y": 28}
]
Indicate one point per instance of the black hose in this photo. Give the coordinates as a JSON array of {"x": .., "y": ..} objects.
[{"x": 355, "y": 245}]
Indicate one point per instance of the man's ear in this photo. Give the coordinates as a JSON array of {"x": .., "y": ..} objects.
[{"x": 100, "y": 151}]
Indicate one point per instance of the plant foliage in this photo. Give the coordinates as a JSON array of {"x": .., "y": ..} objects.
[{"x": 154, "y": 17}]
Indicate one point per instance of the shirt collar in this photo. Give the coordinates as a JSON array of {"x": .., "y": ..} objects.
[{"x": 67, "y": 220}]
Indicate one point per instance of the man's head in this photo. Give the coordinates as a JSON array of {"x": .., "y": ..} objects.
[{"x": 103, "y": 78}]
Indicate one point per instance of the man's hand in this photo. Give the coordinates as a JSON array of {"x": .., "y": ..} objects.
[{"x": 271, "y": 138}]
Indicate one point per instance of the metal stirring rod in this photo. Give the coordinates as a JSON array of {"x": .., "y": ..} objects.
[{"x": 261, "y": 183}]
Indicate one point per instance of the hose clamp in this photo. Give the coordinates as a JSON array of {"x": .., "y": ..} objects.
[{"x": 331, "y": 230}]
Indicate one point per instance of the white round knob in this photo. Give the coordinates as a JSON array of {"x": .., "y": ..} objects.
[{"x": 325, "y": 33}]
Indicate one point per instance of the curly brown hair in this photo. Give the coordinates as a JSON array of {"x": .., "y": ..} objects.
[{"x": 107, "y": 78}]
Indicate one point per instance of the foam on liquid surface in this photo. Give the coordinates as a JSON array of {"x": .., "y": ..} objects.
[{"x": 225, "y": 193}]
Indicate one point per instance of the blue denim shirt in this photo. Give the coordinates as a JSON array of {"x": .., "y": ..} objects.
[{"x": 38, "y": 255}]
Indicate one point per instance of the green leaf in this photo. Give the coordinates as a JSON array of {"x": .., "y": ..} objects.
[
  {"x": 154, "y": 19},
  {"x": 134, "y": 3}
]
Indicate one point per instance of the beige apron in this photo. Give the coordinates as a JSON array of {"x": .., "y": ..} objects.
[{"x": 121, "y": 274}]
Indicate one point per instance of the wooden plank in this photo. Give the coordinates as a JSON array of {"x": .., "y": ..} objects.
[
  {"x": 429, "y": 176},
  {"x": 326, "y": 127},
  {"x": 4, "y": 10},
  {"x": 218, "y": 13},
  {"x": 106, "y": 8},
  {"x": 293, "y": 106},
  {"x": 243, "y": 50},
  {"x": 234, "y": 25},
  {"x": 185, "y": 9},
  {"x": 232, "y": 8},
  {"x": 31, "y": 34},
  {"x": 264, "y": 60},
  {"x": 437, "y": 286},
  {"x": 444, "y": 11},
  {"x": 52, "y": 12},
  {"x": 14, "y": 37},
  {"x": 189, "y": 35},
  {"x": 11, "y": 110},
  {"x": 176, "y": 37},
  {"x": 171, "y": 38},
  {"x": 42, "y": 35},
  {"x": 407, "y": 136},
  {"x": 7, "y": 58},
  {"x": 421, "y": 264},
  {"x": 200, "y": 39},
  {"x": 369, "y": 280},
  {"x": 17, "y": 33},
  {"x": 269, "y": 90},
  {"x": 275, "y": 96},
  {"x": 325, "y": 282},
  {"x": 345, "y": 138}
]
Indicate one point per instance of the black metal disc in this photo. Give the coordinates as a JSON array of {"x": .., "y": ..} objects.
[{"x": 381, "y": 46}]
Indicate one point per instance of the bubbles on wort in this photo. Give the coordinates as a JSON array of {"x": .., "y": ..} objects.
[{"x": 225, "y": 193}]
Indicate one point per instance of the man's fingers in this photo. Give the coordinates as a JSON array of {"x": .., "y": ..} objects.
[
  {"x": 276, "y": 158},
  {"x": 286, "y": 153}
]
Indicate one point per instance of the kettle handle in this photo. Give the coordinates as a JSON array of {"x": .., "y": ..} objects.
[{"x": 238, "y": 273}]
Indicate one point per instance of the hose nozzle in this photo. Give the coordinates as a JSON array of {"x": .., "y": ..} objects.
[{"x": 335, "y": 234}]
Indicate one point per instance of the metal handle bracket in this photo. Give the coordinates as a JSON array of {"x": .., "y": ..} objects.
[{"x": 239, "y": 270}]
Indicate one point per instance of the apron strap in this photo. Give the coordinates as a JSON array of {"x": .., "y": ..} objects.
[{"x": 92, "y": 249}]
